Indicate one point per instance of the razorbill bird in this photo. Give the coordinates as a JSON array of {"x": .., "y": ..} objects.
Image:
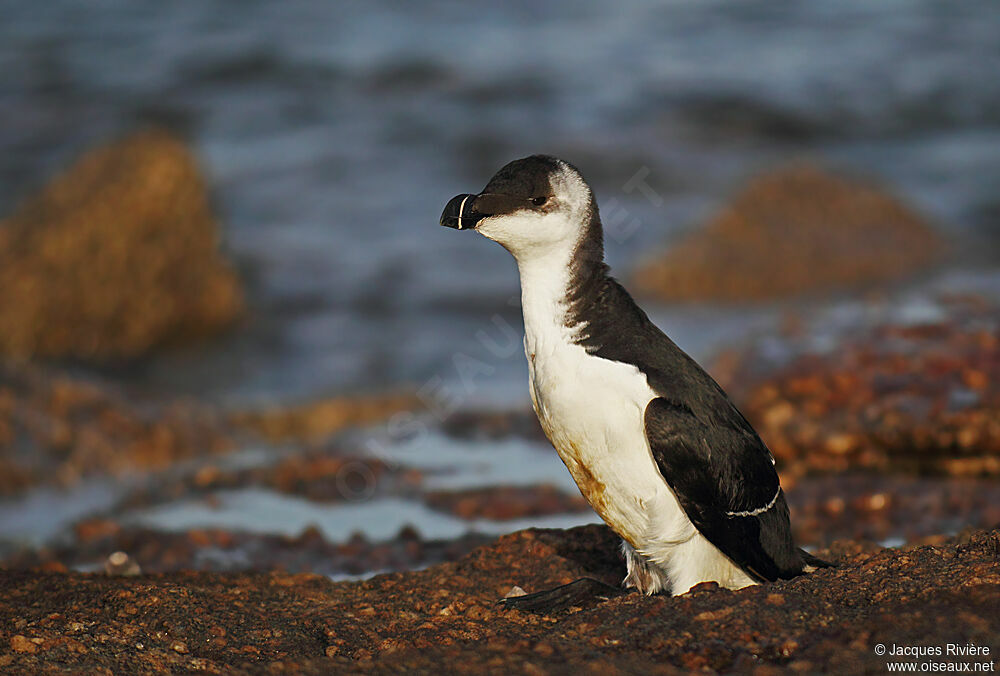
[{"x": 654, "y": 444}]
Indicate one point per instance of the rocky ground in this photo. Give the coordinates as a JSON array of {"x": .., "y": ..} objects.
[
  {"x": 889, "y": 438},
  {"x": 831, "y": 620},
  {"x": 885, "y": 434},
  {"x": 919, "y": 398}
]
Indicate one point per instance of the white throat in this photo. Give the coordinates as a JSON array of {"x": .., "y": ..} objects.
[{"x": 545, "y": 281}]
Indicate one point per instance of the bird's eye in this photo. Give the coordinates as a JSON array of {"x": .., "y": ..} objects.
[{"x": 539, "y": 201}]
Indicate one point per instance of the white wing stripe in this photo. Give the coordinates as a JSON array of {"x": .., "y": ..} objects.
[{"x": 761, "y": 510}]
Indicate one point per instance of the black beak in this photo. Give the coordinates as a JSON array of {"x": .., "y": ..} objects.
[
  {"x": 459, "y": 213},
  {"x": 465, "y": 211}
]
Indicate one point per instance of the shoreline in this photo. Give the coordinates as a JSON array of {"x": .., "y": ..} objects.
[{"x": 446, "y": 615}]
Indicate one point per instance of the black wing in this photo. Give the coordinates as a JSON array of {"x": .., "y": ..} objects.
[
  {"x": 724, "y": 479},
  {"x": 717, "y": 466}
]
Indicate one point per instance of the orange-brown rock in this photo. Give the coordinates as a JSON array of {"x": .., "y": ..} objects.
[
  {"x": 799, "y": 230},
  {"x": 317, "y": 420},
  {"x": 62, "y": 429},
  {"x": 56, "y": 428},
  {"x": 116, "y": 257}
]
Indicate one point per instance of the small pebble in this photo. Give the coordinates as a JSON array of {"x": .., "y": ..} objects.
[
  {"x": 21, "y": 644},
  {"x": 514, "y": 592},
  {"x": 120, "y": 563}
]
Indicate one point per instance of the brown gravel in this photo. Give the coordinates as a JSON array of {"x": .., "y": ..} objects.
[
  {"x": 445, "y": 618},
  {"x": 919, "y": 399},
  {"x": 903, "y": 508},
  {"x": 116, "y": 257},
  {"x": 798, "y": 230}
]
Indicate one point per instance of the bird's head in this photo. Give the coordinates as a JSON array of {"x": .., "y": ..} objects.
[{"x": 533, "y": 207}]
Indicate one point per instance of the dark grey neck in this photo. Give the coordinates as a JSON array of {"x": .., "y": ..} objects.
[
  {"x": 588, "y": 272},
  {"x": 603, "y": 314},
  {"x": 589, "y": 277},
  {"x": 608, "y": 324}
]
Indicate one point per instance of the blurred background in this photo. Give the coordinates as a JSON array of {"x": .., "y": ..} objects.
[{"x": 234, "y": 336}]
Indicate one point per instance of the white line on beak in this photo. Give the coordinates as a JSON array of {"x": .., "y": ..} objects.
[{"x": 461, "y": 208}]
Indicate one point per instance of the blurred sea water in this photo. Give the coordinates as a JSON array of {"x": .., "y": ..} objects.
[{"x": 333, "y": 134}]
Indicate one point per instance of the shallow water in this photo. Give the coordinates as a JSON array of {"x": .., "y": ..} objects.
[
  {"x": 45, "y": 515},
  {"x": 257, "y": 511}
]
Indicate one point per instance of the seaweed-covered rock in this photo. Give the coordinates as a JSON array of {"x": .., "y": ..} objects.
[
  {"x": 116, "y": 257},
  {"x": 796, "y": 231},
  {"x": 56, "y": 428},
  {"x": 314, "y": 421},
  {"x": 921, "y": 399}
]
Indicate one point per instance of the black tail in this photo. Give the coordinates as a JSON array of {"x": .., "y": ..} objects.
[{"x": 815, "y": 561}]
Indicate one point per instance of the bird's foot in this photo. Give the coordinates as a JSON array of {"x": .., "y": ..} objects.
[
  {"x": 583, "y": 592},
  {"x": 643, "y": 574}
]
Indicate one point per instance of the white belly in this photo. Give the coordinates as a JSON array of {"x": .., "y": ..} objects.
[{"x": 592, "y": 411}]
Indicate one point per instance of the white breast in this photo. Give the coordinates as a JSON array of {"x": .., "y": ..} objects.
[
  {"x": 590, "y": 408},
  {"x": 592, "y": 411}
]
